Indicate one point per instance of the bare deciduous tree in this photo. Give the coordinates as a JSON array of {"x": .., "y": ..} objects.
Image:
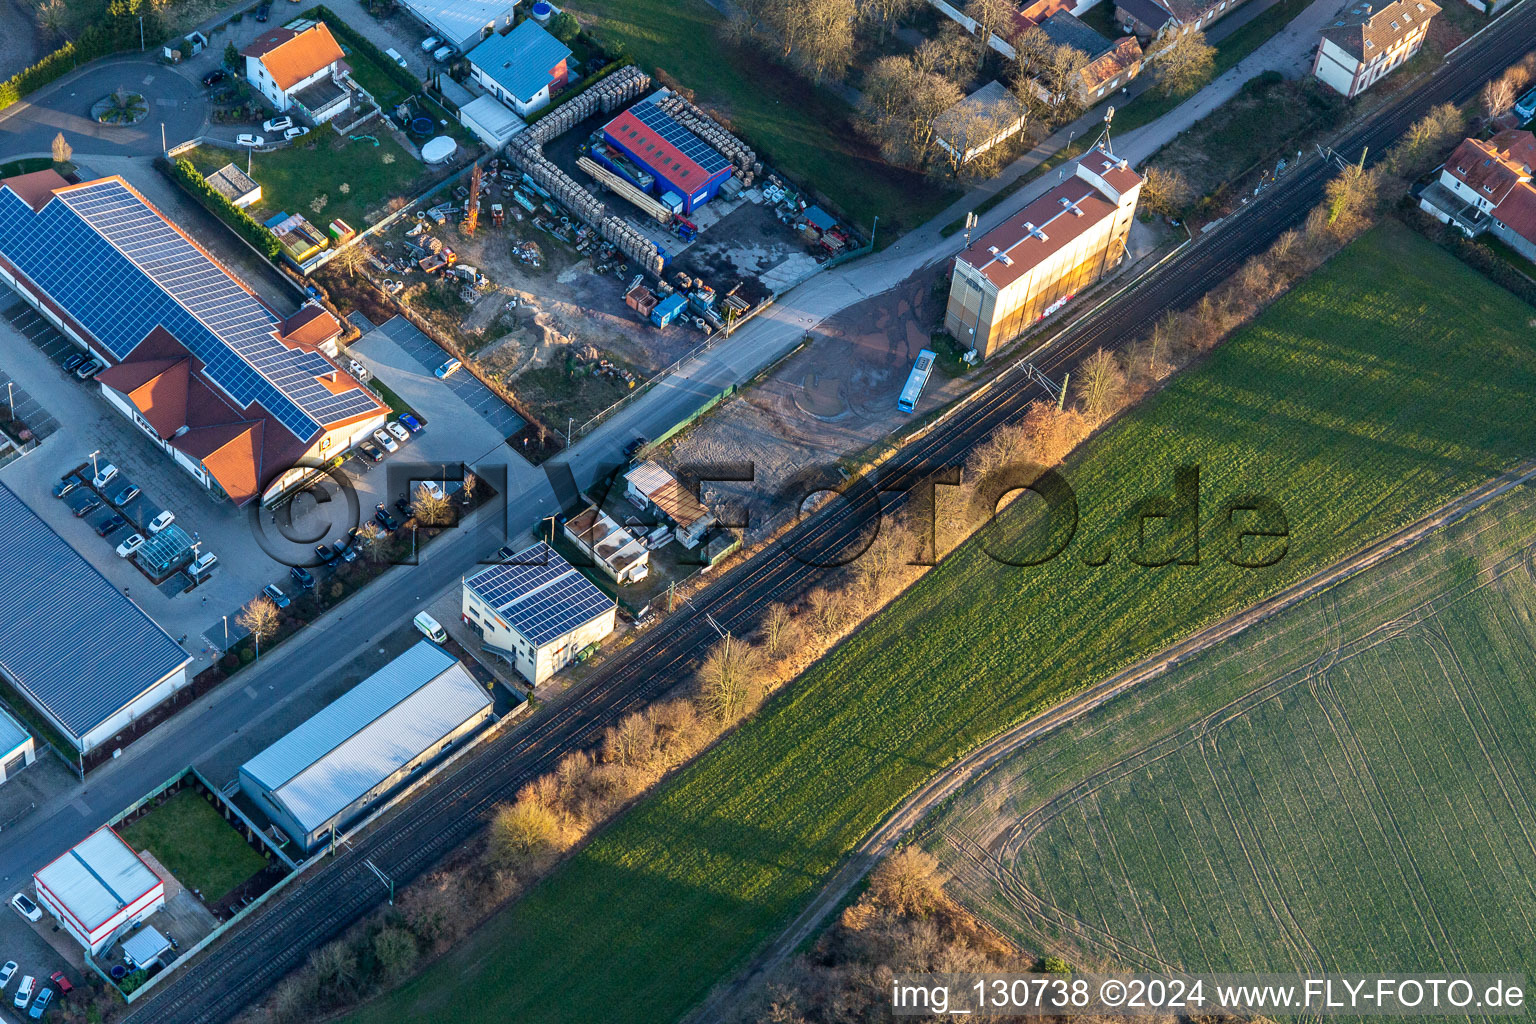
[
  {"x": 62, "y": 150},
  {"x": 261, "y": 618},
  {"x": 1164, "y": 192},
  {"x": 351, "y": 258},
  {"x": 1100, "y": 384},
  {"x": 1183, "y": 63},
  {"x": 992, "y": 17},
  {"x": 430, "y": 506},
  {"x": 728, "y": 679},
  {"x": 1352, "y": 197},
  {"x": 397, "y": 951},
  {"x": 1498, "y": 96},
  {"x": 776, "y": 624},
  {"x": 886, "y": 13},
  {"x": 523, "y": 829},
  {"x": 907, "y": 882},
  {"x": 947, "y": 53}
]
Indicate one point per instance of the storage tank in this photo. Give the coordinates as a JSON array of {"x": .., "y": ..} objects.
[
  {"x": 435, "y": 151},
  {"x": 541, "y": 12}
]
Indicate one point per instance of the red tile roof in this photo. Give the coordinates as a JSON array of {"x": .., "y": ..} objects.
[
  {"x": 311, "y": 327},
  {"x": 1494, "y": 167},
  {"x": 36, "y": 188},
  {"x": 1518, "y": 211},
  {"x": 289, "y": 61}
]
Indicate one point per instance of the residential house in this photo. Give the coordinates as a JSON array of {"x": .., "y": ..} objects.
[
  {"x": 986, "y": 118},
  {"x": 1152, "y": 19},
  {"x": 1042, "y": 257},
  {"x": 1486, "y": 185},
  {"x": 652, "y": 489},
  {"x": 1111, "y": 63},
  {"x": 300, "y": 71},
  {"x": 523, "y": 68},
  {"x": 1367, "y": 40},
  {"x": 463, "y": 23}
]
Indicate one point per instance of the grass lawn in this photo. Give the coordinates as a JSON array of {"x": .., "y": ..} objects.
[
  {"x": 804, "y": 131},
  {"x": 1346, "y": 403},
  {"x": 291, "y": 178},
  {"x": 194, "y": 841},
  {"x": 374, "y": 78},
  {"x": 1414, "y": 731}
]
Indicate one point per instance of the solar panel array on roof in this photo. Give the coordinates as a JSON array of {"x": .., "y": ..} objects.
[
  {"x": 686, "y": 143},
  {"x": 540, "y": 594},
  {"x": 120, "y": 269},
  {"x": 70, "y": 639}
]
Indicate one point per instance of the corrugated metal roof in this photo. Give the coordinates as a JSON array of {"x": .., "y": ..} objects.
[
  {"x": 521, "y": 60},
  {"x": 459, "y": 20},
  {"x": 12, "y": 733},
  {"x": 69, "y": 639},
  {"x": 368, "y": 733},
  {"x": 97, "y": 878},
  {"x": 144, "y": 945},
  {"x": 675, "y": 501}
]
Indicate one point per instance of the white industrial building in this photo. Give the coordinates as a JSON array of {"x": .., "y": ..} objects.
[
  {"x": 463, "y": 23},
  {"x": 331, "y": 770},
  {"x": 621, "y": 556},
  {"x": 17, "y": 747},
  {"x": 653, "y": 489},
  {"x": 99, "y": 889},
  {"x": 492, "y": 121},
  {"x": 72, "y": 644},
  {"x": 536, "y": 611}
]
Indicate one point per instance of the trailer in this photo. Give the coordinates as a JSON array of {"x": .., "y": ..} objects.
[
  {"x": 668, "y": 309},
  {"x": 641, "y": 299}
]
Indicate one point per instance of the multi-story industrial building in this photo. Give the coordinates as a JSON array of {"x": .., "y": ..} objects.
[{"x": 1039, "y": 259}]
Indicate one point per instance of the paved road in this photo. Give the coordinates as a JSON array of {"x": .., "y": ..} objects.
[
  {"x": 176, "y": 99},
  {"x": 452, "y": 811}
]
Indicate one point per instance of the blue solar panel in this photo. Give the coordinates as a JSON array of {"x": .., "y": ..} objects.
[
  {"x": 120, "y": 270},
  {"x": 539, "y": 594},
  {"x": 687, "y": 143}
]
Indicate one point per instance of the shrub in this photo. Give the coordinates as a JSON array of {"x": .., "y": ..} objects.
[{"x": 243, "y": 224}]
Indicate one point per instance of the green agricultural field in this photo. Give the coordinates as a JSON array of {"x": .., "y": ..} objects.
[
  {"x": 319, "y": 164},
  {"x": 1346, "y": 786},
  {"x": 806, "y": 132},
  {"x": 1391, "y": 380},
  {"x": 194, "y": 841}
]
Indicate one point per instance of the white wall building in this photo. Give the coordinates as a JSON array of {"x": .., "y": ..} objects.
[
  {"x": 536, "y": 611},
  {"x": 1367, "y": 40},
  {"x": 621, "y": 556},
  {"x": 302, "y": 70},
  {"x": 652, "y": 489},
  {"x": 17, "y": 747},
  {"x": 99, "y": 889}
]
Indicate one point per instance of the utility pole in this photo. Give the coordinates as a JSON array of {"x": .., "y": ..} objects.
[
  {"x": 141, "y": 33},
  {"x": 970, "y": 222},
  {"x": 1061, "y": 399},
  {"x": 94, "y": 471},
  {"x": 671, "y": 595},
  {"x": 381, "y": 876},
  {"x": 163, "y": 147},
  {"x": 872, "y": 229},
  {"x": 10, "y": 398}
]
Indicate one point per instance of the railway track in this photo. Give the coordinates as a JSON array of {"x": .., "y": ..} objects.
[{"x": 455, "y": 807}]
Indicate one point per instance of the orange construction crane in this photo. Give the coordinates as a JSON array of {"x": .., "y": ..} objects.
[{"x": 472, "y": 208}]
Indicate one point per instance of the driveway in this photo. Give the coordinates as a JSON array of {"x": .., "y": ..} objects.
[{"x": 176, "y": 100}]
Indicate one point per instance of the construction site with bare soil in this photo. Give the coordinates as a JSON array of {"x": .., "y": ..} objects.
[{"x": 614, "y": 237}]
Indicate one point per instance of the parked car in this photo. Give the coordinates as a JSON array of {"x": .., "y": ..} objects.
[
  {"x": 104, "y": 474},
  {"x": 386, "y": 440},
  {"x": 403, "y": 506},
  {"x": 275, "y": 592},
  {"x": 130, "y": 545},
  {"x": 165, "y": 518},
  {"x": 302, "y": 576},
  {"x": 398, "y": 432},
  {"x": 89, "y": 368},
  {"x": 125, "y": 493},
  {"x": 394, "y": 55},
  {"x": 411, "y": 423},
  {"x": 82, "y": 503},
  {"x": 203, "y": 566},
  {"x": 277, "y": 124},
  {"x": 249, "y": 140},
  {"x": 344, "y": 549},
  {"x": 215, "y": 76},
  {"x": 109, "y": 524},
  {"x": 447, "y": 368},
  {"x": 442, "y": 53},
  {"x": 371, "y": 450},
  {"x": 74, "y": 362},
  {"x": 383, "y": 518},
  {"x": 66, "y": 483},
  {"x": 298, "y": 131},
  {"x": 41, "y": 1006},
  {"x": 63, "y": 983},
  {"x": 263, "y": 12},
  {"x": 24, "y": 992},
  {"x": 430, "y": 43},
  {"x": 633, "y": 448},
  {"x": 7, "y": 973},
  {"x": 26, "y": 908},
  {"x": 326, "y": 555}
]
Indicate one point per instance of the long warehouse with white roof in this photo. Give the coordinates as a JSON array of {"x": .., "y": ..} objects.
[
  {"x": 536, "y": 611},
  {"x": 327, "y": 773},
  {"x": 98, "y": 889}
]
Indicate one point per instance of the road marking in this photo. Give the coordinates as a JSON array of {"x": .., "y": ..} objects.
[{"x": 250, "y": 693}]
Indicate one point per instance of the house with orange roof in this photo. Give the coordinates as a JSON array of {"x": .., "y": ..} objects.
[
  {"x": 244, "y": 398},
  {"x": 1486, "y": 185},
  {"x": 303, "y": 71}
]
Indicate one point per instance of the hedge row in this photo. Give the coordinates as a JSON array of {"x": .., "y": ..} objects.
[
  {"x": 397, "y": 74},
  {"x": 117, "y": 35},
  {"x": 243, "y": 224}
]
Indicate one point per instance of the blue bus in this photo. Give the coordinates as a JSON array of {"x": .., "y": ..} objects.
[{"x": 916, "y": 381}]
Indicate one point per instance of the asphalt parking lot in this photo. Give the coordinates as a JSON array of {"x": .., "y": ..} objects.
[{"x": 429, "y": 355}]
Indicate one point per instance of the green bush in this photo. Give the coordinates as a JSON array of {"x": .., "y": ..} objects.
[
  {"x": 243, "y": 224},
  {"x": 564, "y": 27},
  {"x": 397, "y": 74}
]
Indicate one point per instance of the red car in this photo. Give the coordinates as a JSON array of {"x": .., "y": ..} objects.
[{"x": 61, "y": 983}]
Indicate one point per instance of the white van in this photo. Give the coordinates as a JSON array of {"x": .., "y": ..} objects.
[
  {"x": 430, "y": 628},
  {"x": 394, "y": 55}
]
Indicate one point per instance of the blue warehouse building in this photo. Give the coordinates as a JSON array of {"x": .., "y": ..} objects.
[{"x": 659, "y": 155}]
